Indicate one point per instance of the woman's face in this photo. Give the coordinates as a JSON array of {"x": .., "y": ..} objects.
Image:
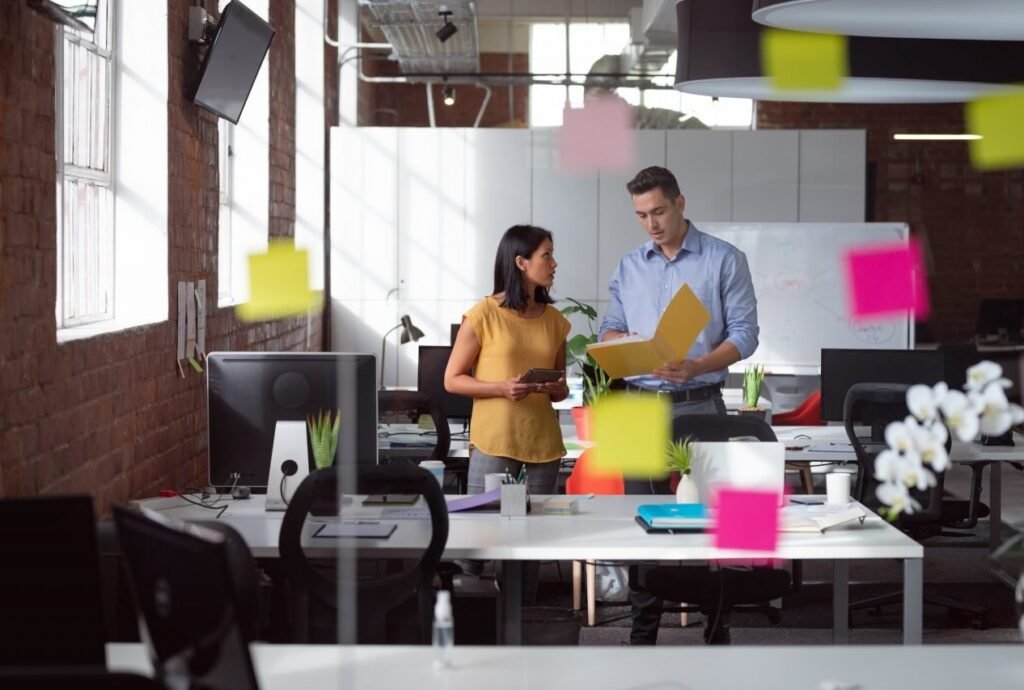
[{"x": 539, "y": 267}]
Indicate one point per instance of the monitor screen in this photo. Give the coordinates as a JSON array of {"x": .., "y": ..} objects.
[
  {"x": 430, "y": 380},
  {"x": 233, "y": 61},
  {"x": 455, "y": 331},
  {"x": 840, "y": 369},
  {"x": 249, "y": 392},
  {"x": 188, "y": 601},
  {"x": 1000, "y": 319}
]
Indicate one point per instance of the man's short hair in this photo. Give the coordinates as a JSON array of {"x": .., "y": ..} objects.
[{"x": 654, "y": 177}]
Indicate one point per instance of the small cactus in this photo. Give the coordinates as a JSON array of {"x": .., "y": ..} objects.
[
  {"x": 753, "y": 377},
  {"x": 323, "y": 437}
]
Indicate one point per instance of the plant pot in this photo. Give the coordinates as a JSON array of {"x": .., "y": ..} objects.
[
  {"x": 581, "y": 416},
  {"x": 686, "y": 490},
  {"x": 754, "y": 412}
]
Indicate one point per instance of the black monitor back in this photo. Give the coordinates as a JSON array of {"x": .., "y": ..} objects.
[
  {"x": 433, "y": 359},
  {"x": 249, "y": 392},
  {"x": 184, "y": 589},
  {"x": 840, "y": 369},
  {"x": 1000, "y": 319},
  {"x": 455, "y": 331},
  {"x": 51, "y": 611}
]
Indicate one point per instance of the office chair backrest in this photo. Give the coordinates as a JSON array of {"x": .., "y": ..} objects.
[
  {"x": 51, "y": 611},
  {"x": 312, "y": 584},
  {"x": 417, "y": 403},
  {"x": 875, "y": 405},
  {"x": 705, "y": 427}
]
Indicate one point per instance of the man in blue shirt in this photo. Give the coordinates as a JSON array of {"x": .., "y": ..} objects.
[{"x": 643, "y": 284}]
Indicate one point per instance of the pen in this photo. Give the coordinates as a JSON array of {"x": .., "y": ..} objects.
[{"x": 522, "y": 475}]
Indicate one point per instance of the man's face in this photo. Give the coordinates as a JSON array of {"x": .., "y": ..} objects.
[{"x": 662, "y": 218}]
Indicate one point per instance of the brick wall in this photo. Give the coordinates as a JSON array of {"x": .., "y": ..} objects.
[
  {"x": 405, "y": 105},
  {"x": 972, "y": 223},
  {"x": 110, "y": 415}
]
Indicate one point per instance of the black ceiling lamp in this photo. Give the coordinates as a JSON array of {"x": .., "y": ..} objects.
[
  {"x": 719, "y": 55},
  {"x": 449, "y": 29},
  {"x": 982, "y": 20},
  {"x": 449, "y": 96}
]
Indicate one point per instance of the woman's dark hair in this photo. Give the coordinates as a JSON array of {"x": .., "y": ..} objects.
[{"x": 519, "y": 240}]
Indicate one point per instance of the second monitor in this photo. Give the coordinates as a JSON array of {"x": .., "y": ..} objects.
[
  {"x": 433, "y": 360},
  {"x": 840, "y": 369}
]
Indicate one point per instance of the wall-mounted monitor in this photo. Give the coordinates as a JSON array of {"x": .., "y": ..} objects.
[{"x": 233, "y": 61}]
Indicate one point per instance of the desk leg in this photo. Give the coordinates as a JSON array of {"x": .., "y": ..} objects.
[
  {"x": 913, "y": 574},
  {"x": 995, "y": 517},
  {"x": 510, "y": 629},
  {"x": 840, "y": 602}
]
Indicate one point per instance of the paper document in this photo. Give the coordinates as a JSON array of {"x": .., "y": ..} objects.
[
  {"x": 813, "y": 521},
  {"x": 684, "y": 318}
]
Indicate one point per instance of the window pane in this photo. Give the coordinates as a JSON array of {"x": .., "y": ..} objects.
[
  {"x": 86, "y": 252},
  {"x": 86, "y": 130}
]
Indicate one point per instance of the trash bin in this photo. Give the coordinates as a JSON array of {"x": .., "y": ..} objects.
[{"x": 550, "y": 625}]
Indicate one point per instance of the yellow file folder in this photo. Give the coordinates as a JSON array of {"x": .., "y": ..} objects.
[{"x": 683, "y": 320}]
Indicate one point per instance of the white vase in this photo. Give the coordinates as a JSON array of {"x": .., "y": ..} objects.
[{"x": 686, "y": 491}]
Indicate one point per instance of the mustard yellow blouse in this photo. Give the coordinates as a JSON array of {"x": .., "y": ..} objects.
[{"x": 510, "y": 345}]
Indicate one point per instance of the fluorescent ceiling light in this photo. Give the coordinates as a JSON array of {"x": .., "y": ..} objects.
[
  {"x": 936, "y": 137},
  {"x": 984, "y": 20}
]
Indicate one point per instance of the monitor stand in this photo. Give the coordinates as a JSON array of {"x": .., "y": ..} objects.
[{"x": 289, "y": 464}]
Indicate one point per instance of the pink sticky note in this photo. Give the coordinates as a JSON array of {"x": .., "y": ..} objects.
[
  {"x": 887, "y": 279},
  {"x": 747, "y": 520},
  {"x": 598, "y": 136}
]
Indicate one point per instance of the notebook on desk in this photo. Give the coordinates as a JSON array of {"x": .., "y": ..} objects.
[{"x": 675, "y": 516}]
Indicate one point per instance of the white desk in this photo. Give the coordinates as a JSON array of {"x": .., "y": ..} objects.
[
  {"x": 604, "y": 530},
  {"x": 960, "y": 452},
  {"x": 312, "y": 667}
]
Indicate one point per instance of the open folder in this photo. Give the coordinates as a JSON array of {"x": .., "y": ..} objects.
[{"x": 684, "y": 318}]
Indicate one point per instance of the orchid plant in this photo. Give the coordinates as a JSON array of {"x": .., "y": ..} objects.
[{"x": 917, "y": 446}]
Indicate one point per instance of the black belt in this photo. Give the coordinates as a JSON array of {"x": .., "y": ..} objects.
[{"x": 688, "y": 395}]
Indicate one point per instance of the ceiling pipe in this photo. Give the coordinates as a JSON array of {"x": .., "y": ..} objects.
[
  {"x": 430, "y": 104},
  {"x": 483, "y": 106}
]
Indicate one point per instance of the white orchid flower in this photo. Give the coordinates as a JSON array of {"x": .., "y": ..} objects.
[
  {"x": 897, "y": 497},
  {"x": 960, "y": 415},
  {"x": 930, "y": 444},
  {"x": 899, "y": 437},
  {"x": 923, "y": 403},
  {"x": 982, "y": 374},
  {"x": 887, "y": 466},
  {"x": 913, "y": 473},
  {"x": 995, "y": 415},
  {"x": 1017, "y": 413}
]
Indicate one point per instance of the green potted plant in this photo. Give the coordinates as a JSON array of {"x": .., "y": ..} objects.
[
  {"x": 753, "y": 378},
  {"x": 595, "y": 380},
  {"x": 323, "y": 437},
  {"x": 680, "y": 455}
]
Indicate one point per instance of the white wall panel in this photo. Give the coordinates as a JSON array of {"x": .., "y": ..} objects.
[
  {"x": 702, "y": 164},
  {"x": 832, "y": 175},
  {"x": 765, "y": 176}
]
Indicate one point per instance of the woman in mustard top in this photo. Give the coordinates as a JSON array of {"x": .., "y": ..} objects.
[{"x": 501, "y": 338}]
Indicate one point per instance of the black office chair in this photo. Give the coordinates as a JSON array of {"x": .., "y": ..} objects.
[
  {"x": 713, "y": 593},
  {"x": 57, "y": 679},
  {"x": 51, "y": 611},
  {"x": 384, "y": 584},
  {"x": 875, "y": 405},
  {"x": 406, "y": 407}
]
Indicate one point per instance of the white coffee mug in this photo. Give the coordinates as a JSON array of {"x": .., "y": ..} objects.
[
  {"x": 493, "y": 481},
  {"x": 436, "y": 468},
  {"x": 837, "y": 487}
]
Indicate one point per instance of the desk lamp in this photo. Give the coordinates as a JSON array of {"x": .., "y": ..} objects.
[{"x": 409, "y": 332}]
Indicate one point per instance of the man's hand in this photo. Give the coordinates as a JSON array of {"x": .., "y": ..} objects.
[
  {"x": 613, "y": 335},
  {"x": 680, "y": 372}
]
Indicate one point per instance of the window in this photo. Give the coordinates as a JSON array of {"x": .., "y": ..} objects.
[
  {"x": 85, "y": 194},
  {"x": 226, "y": 132}
]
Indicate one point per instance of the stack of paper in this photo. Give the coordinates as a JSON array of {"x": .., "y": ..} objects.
[{"x": 815, "y": 522}]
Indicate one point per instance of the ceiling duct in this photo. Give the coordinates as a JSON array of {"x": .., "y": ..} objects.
[
  {"x": 411, "y": 29},
  {"x": 652, "y": 33}
]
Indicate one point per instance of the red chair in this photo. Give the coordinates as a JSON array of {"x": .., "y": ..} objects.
[
  {"x": 584, "y": 480},
  {"x": 808, "y": 413}
]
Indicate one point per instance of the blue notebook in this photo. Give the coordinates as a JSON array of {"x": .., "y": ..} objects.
[{"x": 684, "y": 515}]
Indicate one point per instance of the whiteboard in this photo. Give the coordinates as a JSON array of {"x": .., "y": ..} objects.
[{"x": 799, "y": 279}]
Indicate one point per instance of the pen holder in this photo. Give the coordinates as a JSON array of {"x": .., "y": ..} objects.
[{"x": 513, "y": 500}]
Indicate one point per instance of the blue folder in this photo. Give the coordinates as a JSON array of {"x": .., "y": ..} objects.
[{"x": 680, "y": 515}]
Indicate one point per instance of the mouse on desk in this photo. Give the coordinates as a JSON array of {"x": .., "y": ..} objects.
[{"x": 240, "y": 493}]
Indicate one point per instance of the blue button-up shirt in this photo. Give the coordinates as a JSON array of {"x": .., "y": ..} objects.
[{"x": 645, "y": 281}]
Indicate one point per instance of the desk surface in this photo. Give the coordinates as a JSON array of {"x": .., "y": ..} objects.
[
  {"x": 959, "y": 452},
  {"x": 994, "y": 667},
  {"x": 605, "y": 529}
]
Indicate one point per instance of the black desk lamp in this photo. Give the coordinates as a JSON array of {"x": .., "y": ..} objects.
[{"x": 409, "y": 332}]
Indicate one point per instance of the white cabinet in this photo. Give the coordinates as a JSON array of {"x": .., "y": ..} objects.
[
  {"x": 832, "y": 175},
  {"x": 702, "y": 163},
  {"x": 765, "y": 176},
  {"x": 566, "y": 204}
]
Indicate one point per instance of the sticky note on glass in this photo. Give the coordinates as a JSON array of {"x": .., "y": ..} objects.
[
  {"x": 999, "y": 120},
  {"x": 746, "y": 520},
  {"x": 630, "y": 432},
  {"x": 887, "y": 280},
  {"x": 278, "y": 283},
  {"x": 598, "y": 136},
  {"x": 799, "y": 61}
]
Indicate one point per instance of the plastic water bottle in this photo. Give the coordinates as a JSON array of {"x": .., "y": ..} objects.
[{"x": 444, "y": 629}]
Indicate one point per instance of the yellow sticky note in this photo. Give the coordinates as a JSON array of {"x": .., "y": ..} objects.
[
  {"x": 999, "y": 119},
  {"x": 630, "y": 432},
  {"x": 798, "y": 61},
  {"x": 278, "y": 283}
]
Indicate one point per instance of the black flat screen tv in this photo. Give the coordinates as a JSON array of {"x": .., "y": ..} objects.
[{"x": 233, "y": 61}]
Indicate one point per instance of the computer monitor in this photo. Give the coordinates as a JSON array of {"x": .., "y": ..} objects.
[
  {"x": 455, "y": 331},
  {"x": 1000, "y": 319},
  {"x": 249, "y": 392},
  {"x": 840, "y": 369},
  {"x": 188, "y": 601},
  {"x": 430, "y": 380}
]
